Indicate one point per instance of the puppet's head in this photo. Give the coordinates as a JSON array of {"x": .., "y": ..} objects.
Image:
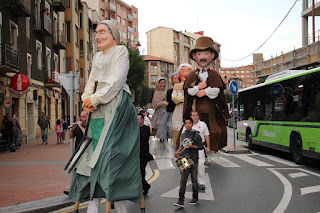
[
  {"x": 183, "y": 71},
  {"x": 107, "y": 35},
  {"x": 161, "y": 84},
  {"x": 175, "y": 78},
  {"x": 204, "y": 52}
]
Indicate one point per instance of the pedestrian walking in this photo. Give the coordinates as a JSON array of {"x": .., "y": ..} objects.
[
  {"x": 191, "y": 142},
  {"x": 203, "y": 130},
  {"x": 78, "y": 128},
  {"x": 145, "y": 155},
  {"x": 16, "y": 131},
  {"x": 44, "y": 123},
  {"x": 165, "y": 130},
  {"x": 58, "y": 129},
  {"x": 159, "y": 104},
  {"x": 64, "y": 130}
]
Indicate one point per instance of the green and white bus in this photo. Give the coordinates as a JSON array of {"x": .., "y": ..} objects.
[{"x": 283, "y": 113}]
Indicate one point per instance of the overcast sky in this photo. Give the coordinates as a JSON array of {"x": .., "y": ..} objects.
[{"x": 240, "y": 26}]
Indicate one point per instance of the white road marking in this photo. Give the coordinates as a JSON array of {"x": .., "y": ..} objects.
[
  {"x": 149, "y": 172},
  {"x": 253, "y": 161},
  {"x": 287, "y": 194},
  {"x": 208, "y": 195},
  {"x": 310, "y": 189},
  {"x": 165, "y": 163},
  {"x": 223, "y": 162},
  {"x": 280, "y": 160},
  {"x": 298, "y": 174}
]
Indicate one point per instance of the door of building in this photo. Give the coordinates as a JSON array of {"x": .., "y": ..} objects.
[{"x": 31, "y": 121}]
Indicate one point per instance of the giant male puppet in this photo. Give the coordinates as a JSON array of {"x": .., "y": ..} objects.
[
  {"x": 110, "y": 166},
  {"x": 203, "y": 91}
]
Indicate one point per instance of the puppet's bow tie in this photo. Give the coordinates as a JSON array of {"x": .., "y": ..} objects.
[{"x": 203, "y": 70}]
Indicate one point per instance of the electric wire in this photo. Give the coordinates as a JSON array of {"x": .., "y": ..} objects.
[{"x": 267, "y": 38}]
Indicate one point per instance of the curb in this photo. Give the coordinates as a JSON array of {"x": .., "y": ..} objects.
[
  {"x": 240, "y": 150},
  {"x": 39, "y": 206}
]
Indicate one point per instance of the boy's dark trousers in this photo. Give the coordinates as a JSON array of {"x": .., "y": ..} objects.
[{"x": 183, "y": 182}]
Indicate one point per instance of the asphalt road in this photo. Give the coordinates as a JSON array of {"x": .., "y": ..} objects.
[{"x": 262, "y": 181}]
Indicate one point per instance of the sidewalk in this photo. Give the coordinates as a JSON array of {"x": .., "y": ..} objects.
[{"x": 34, "y": 172}]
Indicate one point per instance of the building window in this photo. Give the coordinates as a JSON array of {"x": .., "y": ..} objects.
[
  {"x": 124, "y": 35},
  {"x": 81, "y": 48},
  {"x": 39, "y": 54},
  {"x": 48, "y": 62},
  {"x": 135, "y": 15},
  {"x": 175, "y": 58},
  {"x": 102, "y": 12},
  {"x": 154, "y": 65},
  {"x": 118, "y": 19},
  {"x": 56, "y": 62},
  {"x": 135, "y": 27},
  {"x": 29, "y": 63},
  {"x": 69, "y": 68},
  {"x": 28, "y": 27},
  {"x": 80, "y": 19},
  {"x": 154, "y": 79},
  {"x": 77, "y": 65},
  {"x": 77, "y": 36},
  {"x": 68, "y": 3},
  {"x": 124, "y": 21},
  {"x": 68, "y": 30},
  {"x": 13, "y": 35}
]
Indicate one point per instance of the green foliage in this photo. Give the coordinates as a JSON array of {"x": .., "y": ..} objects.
[
  {"x": 137, "y": 68},
  {"x": 262, "y": 80},
  {"x": 143, "y": 96}
]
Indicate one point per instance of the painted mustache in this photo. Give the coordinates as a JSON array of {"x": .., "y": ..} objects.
[{"x": 203, "y": 60}]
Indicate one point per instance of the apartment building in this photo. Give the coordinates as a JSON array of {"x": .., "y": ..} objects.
[
  {"x": 30, "y": 45},
  {"x": 81, "y": 22},
  {"x": 306, "y": 57},
  {"x": 216, "y": 63},
  {"x": 158, "y": 67},
  {"x": 242, "y": 74},
  {"x": 168, "y": 43},
  {"x": 124, "y": 15}
]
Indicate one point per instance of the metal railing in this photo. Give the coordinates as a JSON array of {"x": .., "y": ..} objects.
[
  {"x": 59, "y": 38},
  {"x": 25, "y": 3},
  {"x": 317, "y": 37},
  {"x": 9, "y": 56},
  {"x": 310, "y": 3},
  {"x": 113, "y": 7},
  {"x": 43, "y": 22}
]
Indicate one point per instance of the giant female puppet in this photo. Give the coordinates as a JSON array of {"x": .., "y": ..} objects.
[
  {"x": 203, "y": 91},
  {"x": 110, "y": 166}
]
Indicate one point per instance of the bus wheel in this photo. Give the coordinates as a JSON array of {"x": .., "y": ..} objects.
[
  {"x": 249, "y": 140},
  {"x": 296, "y": 148}
]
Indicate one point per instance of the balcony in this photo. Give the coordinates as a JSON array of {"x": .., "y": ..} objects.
[
  {"x": 111, "y": 7},
  {"x": 59, "y": 39},
  {"x": 21, "y": 8},
  {"x": 9, "y": 59},
  {"x": 43, "y": 24},
  {"x": 59, "y": 5},
  {"x": 115, "y": 21},
  {"x": 52, "y": 80},
  {"x": 130, "y": 18}
]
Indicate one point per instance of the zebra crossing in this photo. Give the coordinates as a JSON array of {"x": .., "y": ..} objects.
[{"x": 232, "y": 161}]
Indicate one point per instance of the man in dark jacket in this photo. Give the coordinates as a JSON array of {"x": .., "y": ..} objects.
[
  {"x": 44, "y": 123},
  {"x": 144, "y": 151}
]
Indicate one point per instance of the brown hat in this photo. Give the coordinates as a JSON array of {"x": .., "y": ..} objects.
[{"x": 204, "y": 43}]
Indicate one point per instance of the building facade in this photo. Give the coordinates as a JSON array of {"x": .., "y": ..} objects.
[
  {"x": 242, "y": 73},
  {"x": 168, "y": 43},
  {"x": 30, "y": 45},
  {"x": 124, "y": 15},
  {"x": 158, "y": 67},
  {"x": 216, "y": 64}
]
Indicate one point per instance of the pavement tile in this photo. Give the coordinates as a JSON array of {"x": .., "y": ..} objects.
[{"x": 40, "y": 177}]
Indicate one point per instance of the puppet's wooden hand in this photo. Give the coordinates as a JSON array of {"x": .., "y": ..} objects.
[
  {"x": 202, "y": 85},
  {"x": 88, "y": 105},
  {"x": 201, "y": 93}
]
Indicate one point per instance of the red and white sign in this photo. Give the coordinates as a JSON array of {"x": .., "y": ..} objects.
[{"x": 19, "y": 84}]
